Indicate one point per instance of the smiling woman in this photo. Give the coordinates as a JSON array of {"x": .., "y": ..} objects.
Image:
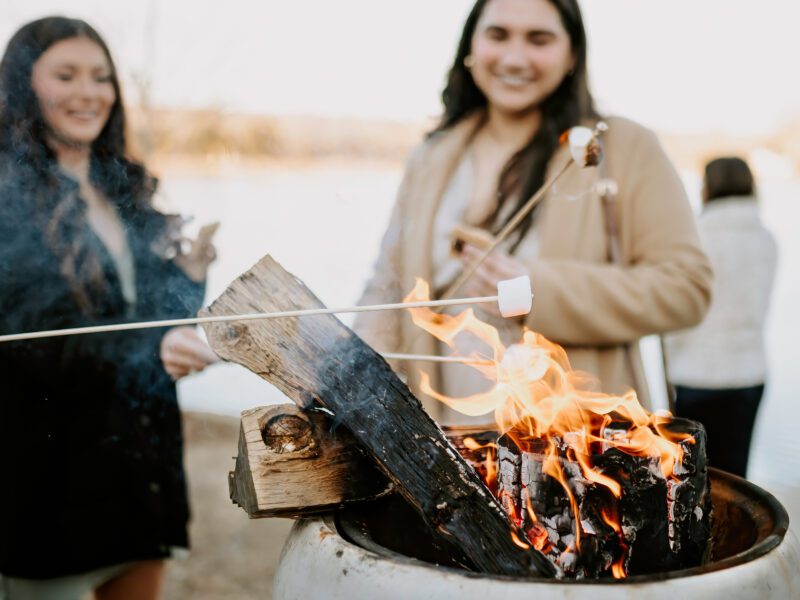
[
  {"x": 520, "y": 54},
  {"x": 90, "y": 430},
  {"x": 73, "y": 82},
  {"x": 609, "y": 262}
]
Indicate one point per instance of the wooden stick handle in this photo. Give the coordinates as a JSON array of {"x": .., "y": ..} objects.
[{"x": 244, "y": 317}]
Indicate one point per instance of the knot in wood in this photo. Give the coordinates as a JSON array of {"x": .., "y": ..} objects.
[
  {"x": 234, "y": 331},
  {"x": 288, "y": 433}
]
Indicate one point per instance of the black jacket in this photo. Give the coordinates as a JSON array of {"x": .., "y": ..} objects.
[{"x": 90, "y": 432}]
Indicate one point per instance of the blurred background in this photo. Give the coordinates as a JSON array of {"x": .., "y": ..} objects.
[{"x": 289, "y": 122}]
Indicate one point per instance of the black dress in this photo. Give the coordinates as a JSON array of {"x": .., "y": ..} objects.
[{"x": 91, "y": 448}]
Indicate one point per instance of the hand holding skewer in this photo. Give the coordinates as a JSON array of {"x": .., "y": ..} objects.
[
  {"x": 585, "y": 151},
  {"x": 183, "y": 352},
  {"x": 497, "y": 267}
]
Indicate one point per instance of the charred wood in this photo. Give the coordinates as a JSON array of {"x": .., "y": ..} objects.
[
  {"x": 318, "y": 361},
  {"x": 658, "y": 524}
]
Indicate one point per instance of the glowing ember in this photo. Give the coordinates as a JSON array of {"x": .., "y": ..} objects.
[{"x": 546, "y": 410}]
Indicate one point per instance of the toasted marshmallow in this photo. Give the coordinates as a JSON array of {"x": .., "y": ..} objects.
[{"x": 584, "y": 146}]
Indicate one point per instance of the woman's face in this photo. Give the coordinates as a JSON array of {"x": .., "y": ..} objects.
[
  {"x": 72, "y": 81},
  {"x": 521, "y": 53}
]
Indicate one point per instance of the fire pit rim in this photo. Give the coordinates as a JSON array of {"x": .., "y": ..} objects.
[{"x": 746, "y": 488}]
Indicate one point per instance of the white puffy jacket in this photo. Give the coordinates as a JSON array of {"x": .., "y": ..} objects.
[{"x": 727, "y": 349}]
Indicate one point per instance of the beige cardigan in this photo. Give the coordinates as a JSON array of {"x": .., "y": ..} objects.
[{"x": 581, "y": 302}]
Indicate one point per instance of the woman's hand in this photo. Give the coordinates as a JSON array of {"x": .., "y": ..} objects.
[
  {"x": 497, "y": 267},
  {"x": 201, "y": 254},
  {"x": 184, "y": 352}
]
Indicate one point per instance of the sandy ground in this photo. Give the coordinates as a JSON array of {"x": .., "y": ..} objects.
[{"x": 232, "y": 555}]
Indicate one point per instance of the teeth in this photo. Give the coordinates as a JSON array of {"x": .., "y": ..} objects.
[{"x": 512, "y": 80}]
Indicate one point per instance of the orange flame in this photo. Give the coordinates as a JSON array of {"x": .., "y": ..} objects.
[
  {"x": 618, "y": 568},
  {"x": 489, "y": 463},
  {"x": 536, "y": 533},
  {"x": 537, "y": 396},
  {"x": 519, "y": 542}
]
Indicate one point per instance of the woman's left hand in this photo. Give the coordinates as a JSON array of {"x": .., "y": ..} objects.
[
  {"x": 497, "y": 267},
  {"x": 183, "y": 352}
]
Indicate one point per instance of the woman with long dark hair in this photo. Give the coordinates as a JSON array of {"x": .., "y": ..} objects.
[
  {"x": 90, "y": 435},
  {"x": 517, "y": 84}
]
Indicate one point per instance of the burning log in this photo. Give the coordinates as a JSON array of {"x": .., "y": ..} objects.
[
  {"x": 655, "y": 524},
  {"x": 318, "y": 361},
  {"x": 299, "y": 464},
  {"x": 596, "y": 482}
]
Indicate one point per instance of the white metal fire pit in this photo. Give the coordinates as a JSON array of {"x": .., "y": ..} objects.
[{"x": 382, "y": 550}]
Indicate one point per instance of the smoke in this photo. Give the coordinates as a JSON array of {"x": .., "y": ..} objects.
[{"x": 35, "y": 293}]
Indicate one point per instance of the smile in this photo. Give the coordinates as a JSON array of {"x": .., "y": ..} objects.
[
  {"x": 514, "y": 80},
  {"x": 84, "y": 115}
]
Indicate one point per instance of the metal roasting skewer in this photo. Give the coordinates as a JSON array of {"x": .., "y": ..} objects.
[{"x": 33, "y": 335}]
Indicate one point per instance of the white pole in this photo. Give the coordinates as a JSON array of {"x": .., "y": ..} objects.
[
  {"x": 33, "y": 335},
  {"x": 464, "y": 360}
]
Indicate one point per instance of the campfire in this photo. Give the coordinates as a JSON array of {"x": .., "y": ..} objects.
[
  {"x": 595, "y": 482},
  {"x": 584, "y": 486},
  {"x": 578, "y": 484}
]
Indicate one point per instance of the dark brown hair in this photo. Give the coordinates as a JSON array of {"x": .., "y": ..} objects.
[
  {"x": 59, "y": 209},
  {"x": 566, "y": 107},
  {"x": 727, "y": 176}
]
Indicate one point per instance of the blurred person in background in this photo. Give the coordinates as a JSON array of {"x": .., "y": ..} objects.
[
  {"x": 518, "y": 82},
  {"x": 718, "y": 369},
  {"x": 94, "y": 494}
]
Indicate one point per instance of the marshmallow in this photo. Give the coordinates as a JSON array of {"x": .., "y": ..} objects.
[
  {"x": 514, "y": 297},
  {"x": 584, "y": 147},
  {"x": 525, "y": 363}
]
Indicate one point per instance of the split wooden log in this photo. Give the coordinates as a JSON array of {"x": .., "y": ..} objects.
[
  {"x": 293, "y": 463},
  {"x": 318, "y": 361}
]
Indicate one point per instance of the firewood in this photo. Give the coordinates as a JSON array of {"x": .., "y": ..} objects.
[
  {"x": 292, "y": 463},
  {"x": 318, "y": 361},
  {"x": 663, "y": 524}
]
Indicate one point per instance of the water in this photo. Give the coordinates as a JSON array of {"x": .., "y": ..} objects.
[{"x": 324, "y": 222}]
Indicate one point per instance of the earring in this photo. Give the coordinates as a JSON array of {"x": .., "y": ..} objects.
[{"x": 469, "y": 61}]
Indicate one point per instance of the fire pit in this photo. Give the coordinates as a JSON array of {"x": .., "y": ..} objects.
[
  {"x": 585, "y": 484},
  {"x": 382, "y": 549}
]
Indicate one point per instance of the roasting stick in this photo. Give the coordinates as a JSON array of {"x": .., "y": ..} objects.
[
  {"x": 502, "y": 235},
  {"x": 578, "y": 155},
  {"x": 254, "y": 316},
  {"x": 464, "y": 360}
]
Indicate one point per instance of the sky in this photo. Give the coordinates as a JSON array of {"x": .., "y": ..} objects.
[{"x": 679, "y": 65}]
